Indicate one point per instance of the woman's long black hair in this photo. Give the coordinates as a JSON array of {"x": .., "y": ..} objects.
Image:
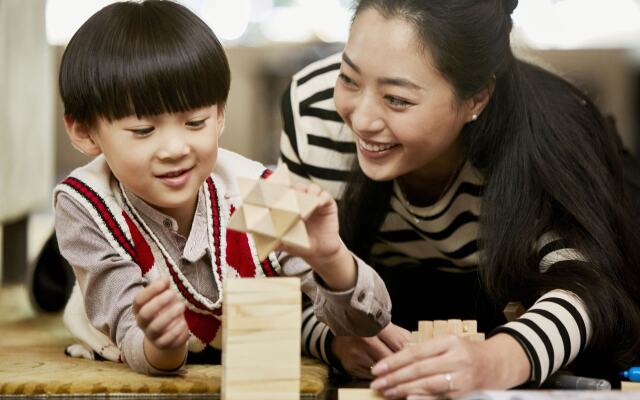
[{"x": 551, "y": 164}]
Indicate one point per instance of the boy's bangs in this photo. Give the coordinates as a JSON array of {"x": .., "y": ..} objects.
[
  {"x": 142, "y": 59},
  {"x": 146, "y": 85}
]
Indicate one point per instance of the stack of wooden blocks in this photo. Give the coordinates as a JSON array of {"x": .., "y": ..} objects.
[
  {"x": 429, "y": 329},
  {"x": 261, "y": 339},
  {"x": 426, "y": 330}
]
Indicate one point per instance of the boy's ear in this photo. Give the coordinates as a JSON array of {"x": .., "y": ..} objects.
[
  {"x": 80, "y": 136},
  {"x": 220, "y": 117}
]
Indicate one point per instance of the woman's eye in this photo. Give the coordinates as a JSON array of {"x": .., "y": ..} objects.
[
  {"x": 346, "y": 80},
  {"x": 197, "y": 124},
  {"x": 397, "y": 102},
  {"x": 142, "y": 131}
]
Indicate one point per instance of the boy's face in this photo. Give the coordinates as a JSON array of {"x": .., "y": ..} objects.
[{"x": 163, "y": 159}]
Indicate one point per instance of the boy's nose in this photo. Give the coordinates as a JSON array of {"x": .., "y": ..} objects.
[{"x": 173, "y": 146}]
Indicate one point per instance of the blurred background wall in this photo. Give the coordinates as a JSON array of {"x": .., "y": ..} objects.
[{"x": 593, "y": 43}]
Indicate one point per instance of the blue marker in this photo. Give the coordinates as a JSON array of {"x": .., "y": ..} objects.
[{"x": 632, "y": 374}]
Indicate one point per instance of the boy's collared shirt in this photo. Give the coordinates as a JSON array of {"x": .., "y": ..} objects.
[{"x": 109, "y": 283}]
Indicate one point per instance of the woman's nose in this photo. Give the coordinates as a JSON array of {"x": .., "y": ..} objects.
[{"x": 366, "y": 117}]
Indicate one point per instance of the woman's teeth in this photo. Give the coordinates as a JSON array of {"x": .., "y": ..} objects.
[{"x": 375, "y": 147}]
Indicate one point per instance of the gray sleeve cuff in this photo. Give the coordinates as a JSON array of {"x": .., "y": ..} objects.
[
  {"x": 132, "y": 350},
  {"x": 360, "y": 311}
]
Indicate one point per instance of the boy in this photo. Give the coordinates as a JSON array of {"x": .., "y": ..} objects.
[{"x": 144, "y": 224}]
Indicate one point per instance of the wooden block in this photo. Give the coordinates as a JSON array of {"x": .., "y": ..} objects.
[
  {"x": 440, "y": 328},
  {"x": 261, "y": 339},
  {"x": 469, "y": 326},
  {"x": 258, "y": 220},
  {"x": 246, "y": 186},
  {"x": 273, "y": 211},
  {"x": 513, "y": 310},
  {"x": 473, "y": 336},
  {"x": 358, "y": 394},
  {"x": 425, "y": 329},
  {"x": 281, "y": 175},
  {"x": 262, "y": 285},
  {"x": 297, "y": 235},
  {"x": 264, "y": 244},
  {"x": 287, "y": 202},
  {"x": 261, "y": 316},
  {"x": 415, "y": 337},
  {"x": 275, "y": 298},
  {"x": 307, "y": 203},
  {"x": 455, "y": 326},
  {"x": 283, "y": 221},
  {"x": 630, "y": 386}
]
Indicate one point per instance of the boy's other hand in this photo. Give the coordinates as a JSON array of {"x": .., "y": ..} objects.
[
  {"x": 160, "y": 315},
  {"x": 358, "y": 354}
]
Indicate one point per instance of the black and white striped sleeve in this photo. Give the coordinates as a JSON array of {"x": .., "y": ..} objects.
[
  {"x": 557, "y": 327},
  {"x": 315, "y": 144},
  {"x": 316, "y": 337}
]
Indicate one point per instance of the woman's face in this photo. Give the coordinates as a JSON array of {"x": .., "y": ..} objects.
[{"x": 403, "y": 113}]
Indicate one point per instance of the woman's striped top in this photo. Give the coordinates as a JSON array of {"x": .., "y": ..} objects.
[{"x": 317, "y": 145}]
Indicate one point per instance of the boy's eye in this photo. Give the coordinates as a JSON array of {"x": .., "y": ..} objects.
[
  {"x": 141, "y": 131},
  {"x": 197, "y": 123}
]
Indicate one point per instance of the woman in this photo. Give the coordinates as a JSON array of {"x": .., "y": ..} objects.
[{"x": 455, "y": 140}]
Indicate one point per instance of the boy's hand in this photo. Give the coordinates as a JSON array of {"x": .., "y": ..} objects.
[
  {"x": 358, "y": 354},
  {"x": 327, "y": 254},
  {"x": 160, "y": 315},
  {"x": 322, "y": 226}
]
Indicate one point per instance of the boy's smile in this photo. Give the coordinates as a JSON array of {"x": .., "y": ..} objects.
[{"x": 163, "y": 159}]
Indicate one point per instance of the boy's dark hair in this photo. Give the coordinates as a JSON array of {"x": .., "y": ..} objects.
[{"x": 145, "y": 59}]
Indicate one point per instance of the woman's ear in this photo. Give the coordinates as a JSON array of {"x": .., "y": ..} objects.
[
  {"x": 477, "y": 102},
  {"x": 81, "y": 138}
]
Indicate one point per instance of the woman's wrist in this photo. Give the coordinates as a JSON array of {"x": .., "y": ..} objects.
[{"x": 509, "y": 366}]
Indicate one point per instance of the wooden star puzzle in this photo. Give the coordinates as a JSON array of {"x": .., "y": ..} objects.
[{"x": 273, "y": 212}]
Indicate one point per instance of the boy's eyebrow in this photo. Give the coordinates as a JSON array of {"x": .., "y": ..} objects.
[{"x": 403, "y": 82}]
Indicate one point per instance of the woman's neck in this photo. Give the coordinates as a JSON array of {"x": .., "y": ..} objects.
[{"x": 427, "y": 185}]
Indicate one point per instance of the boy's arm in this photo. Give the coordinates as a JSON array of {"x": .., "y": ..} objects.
[
  {"x": 109, "y": 282},
  {"x": 362, "y": 310}
]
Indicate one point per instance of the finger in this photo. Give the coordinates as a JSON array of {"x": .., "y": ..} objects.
[
  {"x": 411, "y": 354},
  {"x": 164, "y": 319},
  {"x": 153, "y": 307},
  {"x": 417, "y": 370},
  {"x": 149, "y": 292},
  {"x": 433, "y": 386},
  {"x": 363, "y": 366},
  {"x": 174, "y": 336},
  {"x": 376, "y": 349},
  {"x": 395, "y": 338}
]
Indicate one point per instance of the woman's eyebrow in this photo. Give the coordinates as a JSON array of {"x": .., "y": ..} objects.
[{"x": 403, "y": 82}]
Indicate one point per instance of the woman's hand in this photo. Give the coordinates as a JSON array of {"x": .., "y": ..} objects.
[
  {"x": 160, "y": 315},
  {"x": 358, "y": 354},
  {"x": 452, "y": 366}
]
